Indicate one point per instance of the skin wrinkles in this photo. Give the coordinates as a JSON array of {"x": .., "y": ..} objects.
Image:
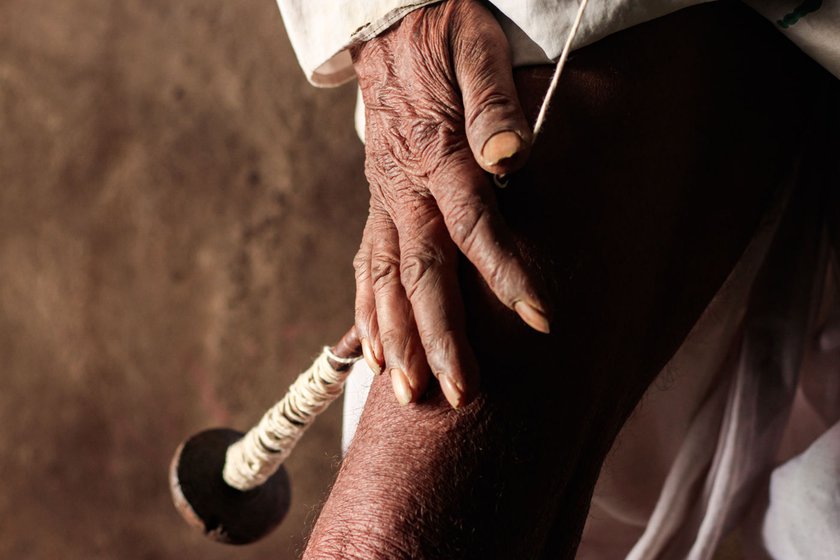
[
  {"x": 650, "y": 179},
  {"x": 393, "y": 486},
  {"x": 431, "y": 198}
]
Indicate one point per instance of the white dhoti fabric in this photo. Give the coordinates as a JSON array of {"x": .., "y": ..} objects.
[{"x": 804, "y": 518}]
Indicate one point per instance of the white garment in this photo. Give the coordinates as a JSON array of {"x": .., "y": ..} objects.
[
  {"x": 806, "y": 500},
  {"x": 322, "y": 30}
]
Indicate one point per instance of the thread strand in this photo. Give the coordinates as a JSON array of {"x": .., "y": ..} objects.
[{"x": 260, "y": 452}]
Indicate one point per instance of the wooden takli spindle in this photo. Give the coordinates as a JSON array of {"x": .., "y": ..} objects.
[{"x": 232, "y": 486}]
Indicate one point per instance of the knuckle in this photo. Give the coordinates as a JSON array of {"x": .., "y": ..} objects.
[
  {"x": 498, "y": 278},
  {"x": 437, "y": 138},
  {"x": 395, "y": 340},
  {"x": 361, "y": 264},
  {"x": 491, "y": 106},
  {"x": 505, "y": 278},
  {"x": 437, "y": 341},
  {"x": 381, "y": 165},
  {"x": 464, "y": 219},
  {"x": 416, "y": 268},
  {"x": 384, "y": 269}
]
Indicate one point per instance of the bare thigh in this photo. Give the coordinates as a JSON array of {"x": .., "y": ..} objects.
[{"x": 666, "y": 145}]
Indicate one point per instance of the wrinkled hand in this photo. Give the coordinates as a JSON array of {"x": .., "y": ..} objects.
[{"x": 441, "y": 109}]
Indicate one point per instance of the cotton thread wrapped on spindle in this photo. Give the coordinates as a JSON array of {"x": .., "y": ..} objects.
[
  {"x": 253, "y": 459},
  {"x": 232, "y": 487}
]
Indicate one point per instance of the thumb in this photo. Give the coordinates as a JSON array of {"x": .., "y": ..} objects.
[{"x": 497, "y": 130}]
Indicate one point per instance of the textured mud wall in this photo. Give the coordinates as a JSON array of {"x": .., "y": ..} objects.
[{"x": 178, "y": 215}]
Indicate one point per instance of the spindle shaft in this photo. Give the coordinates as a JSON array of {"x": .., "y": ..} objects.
[{"x": 231, "y": 486}]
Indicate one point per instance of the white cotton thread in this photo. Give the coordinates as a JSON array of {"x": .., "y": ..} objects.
[
  {"x": 502, "y": 182},
  {"x": 558, "y": 70},
  {"x": 254, "y": 458}
]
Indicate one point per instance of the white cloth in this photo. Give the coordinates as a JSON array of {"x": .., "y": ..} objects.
[
  {"x": 322, "y": 30},
  {"x": 738, "y": 433},
  {"x": 356, "y": 391},
  {"x": 806, "y": 501}
]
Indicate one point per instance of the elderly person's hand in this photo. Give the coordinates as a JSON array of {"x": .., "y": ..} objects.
[{"x": 441, "y": 110}]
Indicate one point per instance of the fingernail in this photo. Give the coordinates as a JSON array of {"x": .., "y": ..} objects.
[
  {"x": 501, "y": 146},
  {"x": 402, "y": 389},
  {"x": 367, "y": 352},
  {"x": 378, "y": 353},
  {"x": 535, "y": 318},
  {"x": 451, "y": 390}
]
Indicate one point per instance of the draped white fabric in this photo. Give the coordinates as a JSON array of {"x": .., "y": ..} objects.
[{"x": 322, "y": 30}]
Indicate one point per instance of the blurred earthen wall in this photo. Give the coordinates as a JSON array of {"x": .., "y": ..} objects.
[{"x": 178, "y": 214}]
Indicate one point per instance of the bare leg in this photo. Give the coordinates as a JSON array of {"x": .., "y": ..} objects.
[{"x": 666, "y": 145}]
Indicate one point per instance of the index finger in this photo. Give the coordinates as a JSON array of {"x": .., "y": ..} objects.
[{"x": 465, "y": 197}]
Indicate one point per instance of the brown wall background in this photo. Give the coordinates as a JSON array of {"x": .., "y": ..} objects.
[{"x": 178, "y": 214}]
